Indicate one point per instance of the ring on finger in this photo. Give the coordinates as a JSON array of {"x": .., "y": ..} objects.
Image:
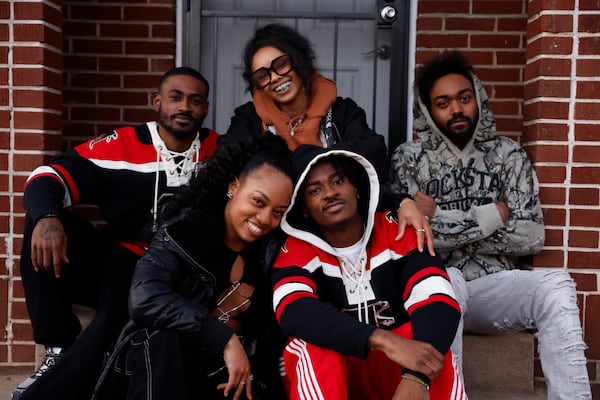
[
  {"x": 242, "y": 383},
  {"x": 420, "y": 230},
  {"x": 250, "y": 377}
]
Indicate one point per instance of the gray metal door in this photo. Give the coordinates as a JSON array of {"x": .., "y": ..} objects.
[{"x": 361, "y": 44}]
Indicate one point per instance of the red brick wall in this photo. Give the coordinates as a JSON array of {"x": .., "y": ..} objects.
[
  {"x": 561, "y": 92},
  {"x": 114, "y": 56},
  {"x": 64, "y": 88},
  {"x": 100, "y": 72},
  {"x": 540, "y": 63},
  {"x": 30, "y": 123}
]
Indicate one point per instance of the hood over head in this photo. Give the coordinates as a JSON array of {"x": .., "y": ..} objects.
[
  {"x": 365, "y": 178},
  {"x": 427, "y": 130}
]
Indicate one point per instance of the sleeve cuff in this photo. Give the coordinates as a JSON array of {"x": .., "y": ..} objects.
[
  {"x": 488, "y": 218},
  {"x": 419, "y": 375},
  {"x": 214, "y": 336}
]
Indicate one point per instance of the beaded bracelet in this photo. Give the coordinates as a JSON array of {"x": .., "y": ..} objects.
[
  {"x": 415, "y": 379},
  {"x": 50, "y": 215}
]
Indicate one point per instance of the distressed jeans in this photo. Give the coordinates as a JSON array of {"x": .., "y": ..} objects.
[{"x": 518, "y": 300}]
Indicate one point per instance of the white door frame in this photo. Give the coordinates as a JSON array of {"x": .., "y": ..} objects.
[{"x": 188, "y": 11}]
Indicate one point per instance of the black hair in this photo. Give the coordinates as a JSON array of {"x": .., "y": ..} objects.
[
  {"x": 288, "y": 41},
  {"x": 347, "y": 168},
  {"x": 234, "y": 159},
  {"x": 446, "y": 63},
  {"x": 183, "y": 71}
]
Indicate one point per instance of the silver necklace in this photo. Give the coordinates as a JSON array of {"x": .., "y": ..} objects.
[
  {"x": 226, "y": 315},
  {"x": 294, "y": 124}
]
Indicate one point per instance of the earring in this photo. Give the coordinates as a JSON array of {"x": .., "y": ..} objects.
[{"x": 229, "y": 195}]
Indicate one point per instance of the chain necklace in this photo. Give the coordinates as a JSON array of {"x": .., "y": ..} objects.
[
  {"x": 226, "y": 315},
  {"x": 294, "y": 124}
]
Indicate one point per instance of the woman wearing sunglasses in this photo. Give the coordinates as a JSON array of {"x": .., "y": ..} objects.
[{"x": 291, "y": 99}]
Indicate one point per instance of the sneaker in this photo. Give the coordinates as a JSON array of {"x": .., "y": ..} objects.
[{"x": 53, "y": 354}]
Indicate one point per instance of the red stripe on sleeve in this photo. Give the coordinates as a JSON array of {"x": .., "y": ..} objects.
[
  {"x": 440, "y": 298},
  {"x": 71, "y": 186},
  {"x": 296, "y": 279},
  {"x": 45, "y": 174},
  {"x": 422, "y": 274},
  {"x": 290, "y": 298}
]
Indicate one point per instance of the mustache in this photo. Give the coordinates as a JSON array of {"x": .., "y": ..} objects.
[
  {"x": 333, "y": 200},
  {"x": 182, "y": 114},
  {"x": 457, "y": 118}
]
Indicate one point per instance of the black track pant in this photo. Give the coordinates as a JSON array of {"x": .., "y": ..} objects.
[{"x": 98, "y": 276}]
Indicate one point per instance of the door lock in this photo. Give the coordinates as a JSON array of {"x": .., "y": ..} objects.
[{"x": 388, "y": 14}]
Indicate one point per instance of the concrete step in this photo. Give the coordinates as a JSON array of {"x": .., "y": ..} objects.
[
  {"x": 500, "y": 367},
  {"x": 8, "y": 383},
  {"x": 537, "y": 394}
]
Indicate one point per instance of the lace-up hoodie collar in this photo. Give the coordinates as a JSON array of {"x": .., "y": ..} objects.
[{"x": 178, "y": 166}]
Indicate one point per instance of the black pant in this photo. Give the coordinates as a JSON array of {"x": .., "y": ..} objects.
[
  {"x": 166, "y": 364},
  {"x": 160, "y": 366},
  {"x": 98, "y": 276}
]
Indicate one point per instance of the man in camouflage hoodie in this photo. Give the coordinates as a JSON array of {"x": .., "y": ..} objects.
[{"x": 480, "y": 194}]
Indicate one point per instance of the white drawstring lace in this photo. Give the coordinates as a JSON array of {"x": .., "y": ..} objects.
[
  {"x": 187, "y": 160},
  {"x": 156, "y": 178},
  {"x": 184, "y": 157},
  {"x": 363, "y": 306}
]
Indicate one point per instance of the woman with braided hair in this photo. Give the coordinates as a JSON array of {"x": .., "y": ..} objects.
[{"x": 199, "y": 300}]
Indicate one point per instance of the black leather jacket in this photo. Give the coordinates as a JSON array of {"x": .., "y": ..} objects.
[{"x": 176, "y": 281}]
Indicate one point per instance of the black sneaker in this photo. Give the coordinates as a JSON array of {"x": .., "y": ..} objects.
[{"x": 53, "y": 354}]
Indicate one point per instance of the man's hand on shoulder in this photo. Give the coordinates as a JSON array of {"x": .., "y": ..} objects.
[{"x": 409, "y": 214}]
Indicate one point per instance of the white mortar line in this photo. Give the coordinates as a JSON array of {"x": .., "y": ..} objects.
[{"x": 571, "y": 128}]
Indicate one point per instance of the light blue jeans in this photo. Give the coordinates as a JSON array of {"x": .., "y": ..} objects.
[{"x": 518, "y": 300}]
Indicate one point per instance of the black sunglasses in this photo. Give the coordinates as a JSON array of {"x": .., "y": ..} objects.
[{"x": 281, "y": 65}]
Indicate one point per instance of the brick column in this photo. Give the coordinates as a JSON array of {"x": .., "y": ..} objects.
[
  {"x": 561, "y": 117},
  {"x": 30, "y": 127}
]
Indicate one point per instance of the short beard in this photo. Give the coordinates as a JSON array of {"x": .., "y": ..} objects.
[
  {"x": 179, "y": 134},
  {"x": 460, "y": 140}
]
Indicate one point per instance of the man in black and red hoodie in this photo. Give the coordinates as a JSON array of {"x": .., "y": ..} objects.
[
  {"x": 128, "y": 173},
  {"x": 368, "y": 316}
]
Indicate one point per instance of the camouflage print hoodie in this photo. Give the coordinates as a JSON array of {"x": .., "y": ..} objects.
[{"x": 465, "y": 184}]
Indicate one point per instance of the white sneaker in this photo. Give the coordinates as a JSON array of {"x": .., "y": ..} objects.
[{"x": 53, "y": 354}]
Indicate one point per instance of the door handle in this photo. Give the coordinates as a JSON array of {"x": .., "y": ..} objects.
[
  {"x": 383, "y": 52},
  {"x": 388, "y": 14}
]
